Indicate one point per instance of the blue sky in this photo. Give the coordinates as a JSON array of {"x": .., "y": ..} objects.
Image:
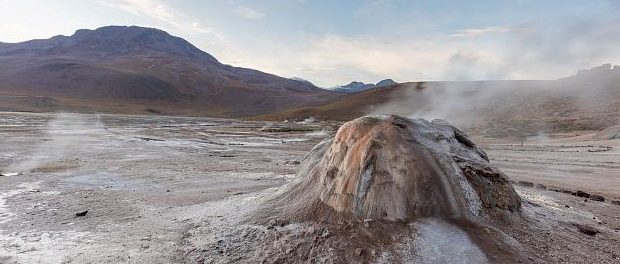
[{"x": 335, "y": 42}]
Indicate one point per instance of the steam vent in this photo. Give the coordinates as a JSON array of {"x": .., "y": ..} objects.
[{"x": 397, "y": 169}]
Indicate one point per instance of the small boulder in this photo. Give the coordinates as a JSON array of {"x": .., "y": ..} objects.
[
  {"x": 582, "y": 194},
  {"x": 586, "y": 229},
  {"x": 596, "y": 197},
  {"x": 526, "y": 184},
  {"x": 83, "y": 213}
]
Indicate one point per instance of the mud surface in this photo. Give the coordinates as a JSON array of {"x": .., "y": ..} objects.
[{"x": 177, "y": 190}]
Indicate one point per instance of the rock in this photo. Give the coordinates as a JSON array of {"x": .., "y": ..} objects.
[
  {"x": 325, "y": 233},
  {"x": 395, "y": 169},
  {"x": 526, "y": 184},
  {"x": 596, "y": 197},
  {"x": 586, "y": 229},
  {"x": 83, "y": 213},
  {"x": 582, "y": 194},
  {"x": 358, "y": 251},
  {"x": 615, "y": 202},
  {"x": 560, "y": 190},
  {"x": 273, "y": 223},
  {"x": 292, "y": 162}
]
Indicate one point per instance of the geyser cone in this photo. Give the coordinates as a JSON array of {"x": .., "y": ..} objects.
[{"x": 396, "y": 168}]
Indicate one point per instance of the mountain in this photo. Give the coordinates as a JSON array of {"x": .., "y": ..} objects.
[
  {"x": 356, "y": 86},
  {"x": 589, "y": 100},
  {"x": 386, "y": 82},
  {"x": 137, "y": 69},
  {"x": 302, "y": 80}
]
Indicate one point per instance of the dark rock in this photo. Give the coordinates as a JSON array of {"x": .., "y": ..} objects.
[
  {"x": 615, "y": 202},
  {"x": 541, "y": 186},
  {"x": 292, "y": 162},
  {"x": 526, "y": 184},
  {"x": 596, "y": 197},
  {"x": 83, "y": 213},
  {"x": 586, "y": 229},
  {"x": 582, "y": 194},
  {"x": 560, "y": 190}
]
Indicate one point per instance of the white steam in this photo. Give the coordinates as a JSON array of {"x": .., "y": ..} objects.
[
  {"x": 66, "y": 136},
  {"x": 587, "y": 101}
]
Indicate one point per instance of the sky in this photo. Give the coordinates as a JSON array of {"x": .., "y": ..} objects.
[{"x": 334, "y": 42}]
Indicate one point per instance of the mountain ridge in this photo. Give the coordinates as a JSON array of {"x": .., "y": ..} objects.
[
  {"x": 136, "y": 65},
  {"x": 357, "y": 86}
]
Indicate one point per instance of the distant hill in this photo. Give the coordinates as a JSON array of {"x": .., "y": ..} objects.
[
  {"x": 589, "y": 100},
  {"x": 356, "y": 86},
  {"x": 136, "y": 69}
]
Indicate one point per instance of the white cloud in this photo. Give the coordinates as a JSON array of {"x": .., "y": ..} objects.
[
  {"x": 160, "y": 12},
  {"x": 476, "y": 32},
  {"x": 370, "y": 58},
  {"x": 248, "y": 13},
  {"x": 518, "y": 51}
]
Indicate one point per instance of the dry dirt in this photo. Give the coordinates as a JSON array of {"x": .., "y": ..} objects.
[{"x": 177, "y": 190}]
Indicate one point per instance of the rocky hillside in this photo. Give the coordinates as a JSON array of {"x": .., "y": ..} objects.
[
  {"x": 589, "y": 100},
  {"x": 123, "y": 69}
]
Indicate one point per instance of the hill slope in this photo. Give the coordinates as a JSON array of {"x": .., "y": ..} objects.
[
  {"x": 589, "y": 100},
  {"x": 123, "y": 69}
]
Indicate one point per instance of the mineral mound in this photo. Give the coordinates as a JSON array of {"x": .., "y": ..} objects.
[{"x": 395, "y": 169}]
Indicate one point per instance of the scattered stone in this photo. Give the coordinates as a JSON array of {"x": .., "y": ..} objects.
[
  {"x": 586, "y": 229},
  {"x": 83, "y": 213},
  {"x": 150, "y": 139},
  {"x": 596, "y": 197},
  {"x": 292, "y": 162}
]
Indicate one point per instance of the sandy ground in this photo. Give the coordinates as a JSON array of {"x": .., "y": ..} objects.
[
  {"x": 577, "y": 163},
  {"x": 176, "y": 190}
]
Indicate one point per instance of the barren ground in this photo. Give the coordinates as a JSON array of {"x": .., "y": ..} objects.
[{"x": 175, "y": 190}]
